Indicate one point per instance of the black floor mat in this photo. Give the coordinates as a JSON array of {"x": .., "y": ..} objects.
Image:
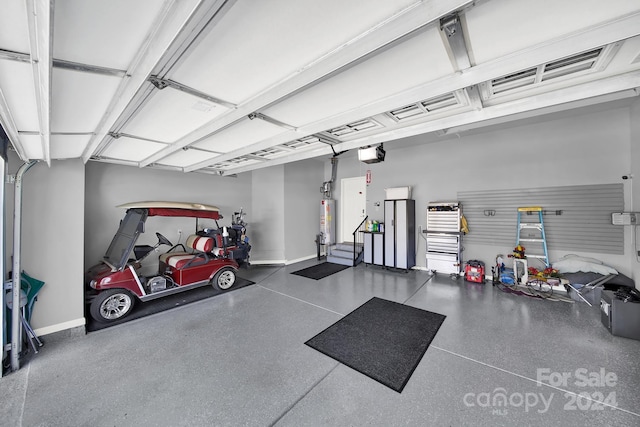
[
  {"x": 320, "y": 271},
  {"x": 142, "y": 309},
  {"x": 381, "y": 339}
]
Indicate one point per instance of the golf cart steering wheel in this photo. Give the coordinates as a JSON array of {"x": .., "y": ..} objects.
[{"x": 163, "y": 240}]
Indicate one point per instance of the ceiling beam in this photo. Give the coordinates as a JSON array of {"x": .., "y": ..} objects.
[
  {"x": 586, "y": 39},
  {"x": 454, "y": 40},
  {"x": 271, "y": 120},
  {"x": 87, "y": 68},
  {"x": 406, "y": 22},
  {"x": 611, "y": 97},
  {"x": 605, "y": 90},
  {"x": 14, "y": 56},
  {"x": 61, "y": 63},
  {"x": 453, "y": 37},
  {"x": 473, "y": 94},
  {"x": 468, "y": 79},
  {"x": 39, "y": 20},
  {"x": 585, "y": 91},
  {"x": 163, "y": 83}
]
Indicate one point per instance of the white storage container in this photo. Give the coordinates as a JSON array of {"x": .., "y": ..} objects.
[{"x": 398, "y": 193}]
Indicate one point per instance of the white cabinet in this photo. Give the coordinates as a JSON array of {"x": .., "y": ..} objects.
[{"x": 399, "y": 233}]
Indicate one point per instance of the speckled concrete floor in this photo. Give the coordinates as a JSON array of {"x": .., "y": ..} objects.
[{"x": 240, "y": 359}]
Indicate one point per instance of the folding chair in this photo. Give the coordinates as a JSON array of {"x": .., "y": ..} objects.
[{"x": 29, "y": 288}]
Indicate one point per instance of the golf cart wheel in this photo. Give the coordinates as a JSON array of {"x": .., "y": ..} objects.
[
  {"x": 111, "y": 305},
  {"x": 225, "y": 278}
]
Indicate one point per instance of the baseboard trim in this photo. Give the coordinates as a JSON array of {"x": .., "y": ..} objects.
[
  {"x": 282, "y": 261},
  {"x": 269, "y": 262},
  {"x": 293, "y": 261},
  {"x": 60, "y": 327}
]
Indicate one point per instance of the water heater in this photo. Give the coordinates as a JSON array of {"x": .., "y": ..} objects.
[{"x": 327, "y": 222}]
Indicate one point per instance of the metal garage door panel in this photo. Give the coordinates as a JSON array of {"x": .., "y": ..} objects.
[
  {"x": 294, "y": 35},
  {"x": 129, "y": 149},
  {"x": 104, "y": 33},
  {"x": 14, "y": 31},
  {"x": 415, "y": 61},
  {"x": 239, "y": 135},
  {"x": 32, "y": 145},
  {"x": 553, "y": 19},
  {"x": 171, "y": 114},
  {"x": 186, "y": 158},
  {"x": 80, "y": 99},
  {"x": 68, "y": 146},
  {"x": 16, "y": 83}
]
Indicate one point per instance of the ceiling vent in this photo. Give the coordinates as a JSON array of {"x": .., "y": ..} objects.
[
  {"x": 570, "y": 66},
  {"x": 514, "y": 81},
  {"x": 235, "y": 162},
  {"x": 424, "y": 107},
  {"x": 573, "y": 64},
  {"x": 268, "y": 153},
  {"x": 355, "y": 127},
  {"x": 239, "y": 160},
  {"x": 310, "y": 141}
]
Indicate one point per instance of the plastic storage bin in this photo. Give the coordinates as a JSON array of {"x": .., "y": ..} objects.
[{"x": 398, "y": 193}]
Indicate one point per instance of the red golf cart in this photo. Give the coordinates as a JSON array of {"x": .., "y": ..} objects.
[{"x": 209, "y": 256}]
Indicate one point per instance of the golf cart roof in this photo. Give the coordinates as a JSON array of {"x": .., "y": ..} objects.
[{"x": 182, "y": 209}]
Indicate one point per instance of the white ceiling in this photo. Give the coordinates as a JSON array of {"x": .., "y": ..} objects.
[{"x": 230, "y": 86}]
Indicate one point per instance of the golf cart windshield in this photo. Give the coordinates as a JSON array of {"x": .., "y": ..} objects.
[{"x": 125, "y": 239}]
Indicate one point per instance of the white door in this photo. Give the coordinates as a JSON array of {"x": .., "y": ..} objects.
[{"x": 353, "y": 205}]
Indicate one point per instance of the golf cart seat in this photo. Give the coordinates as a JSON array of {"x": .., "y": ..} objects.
[{"x": 201, "y": 247}]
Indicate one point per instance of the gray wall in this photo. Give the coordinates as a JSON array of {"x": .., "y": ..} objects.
[
  {"x": 52, "y": 239},
  {"x": 286, "y": 212},
  {"x": 111, "y": 185},
  {"x": 302, "y": 182},
  {"x": 581, "y": 147},
  {"x": 69, "y": 222},
  {"x": 267, "y": 227},
  {"x": 271, "y": 197}
]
